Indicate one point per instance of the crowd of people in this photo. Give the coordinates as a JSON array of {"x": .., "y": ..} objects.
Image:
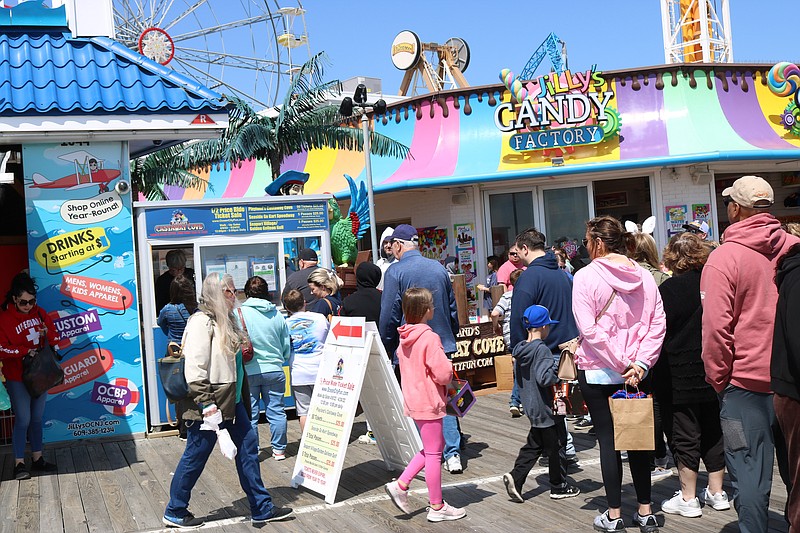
[{"x": 705, "y": 328}]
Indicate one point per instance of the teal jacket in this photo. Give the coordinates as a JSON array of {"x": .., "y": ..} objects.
[{"x": 269, "y": 334}]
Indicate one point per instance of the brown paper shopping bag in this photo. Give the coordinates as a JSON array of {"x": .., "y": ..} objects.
[{"x": 633, "y": 423}]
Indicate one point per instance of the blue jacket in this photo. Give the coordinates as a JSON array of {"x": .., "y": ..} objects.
[
  {"x": 536, "y": 373},
  {"x": 269, "y": 334},
  {"x": 172, "y": 321},
  {"x": 413, "y": 270},
  {"x": 544, "y": 283}
]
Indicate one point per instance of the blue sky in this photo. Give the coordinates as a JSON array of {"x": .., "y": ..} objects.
[{"x": 614, "y": 34}]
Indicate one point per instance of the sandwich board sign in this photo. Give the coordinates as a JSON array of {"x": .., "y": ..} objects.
[{"x": 354, "y": 367}]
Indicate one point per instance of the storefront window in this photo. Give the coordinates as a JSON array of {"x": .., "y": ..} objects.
[
  {"x": 242, "y": 261},
  {"x": 510, "y": 214},
  {"x": 565, "y": 214}
]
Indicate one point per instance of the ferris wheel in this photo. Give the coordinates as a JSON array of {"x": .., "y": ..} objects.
[{"x": 246, "y": 48}]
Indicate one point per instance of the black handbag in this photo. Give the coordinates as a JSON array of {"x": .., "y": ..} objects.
[
  {"x": 41, "y": 372},
  {"x": 170, "y": 370}
]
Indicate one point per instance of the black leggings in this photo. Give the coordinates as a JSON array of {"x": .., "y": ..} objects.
[{"x": 596, "y": 398}]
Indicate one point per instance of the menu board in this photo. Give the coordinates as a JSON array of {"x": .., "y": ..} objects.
[{"x": 170, "y": 222}]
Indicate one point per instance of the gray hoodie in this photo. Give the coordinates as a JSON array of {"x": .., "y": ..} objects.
[{"x": 535, "y": 374}]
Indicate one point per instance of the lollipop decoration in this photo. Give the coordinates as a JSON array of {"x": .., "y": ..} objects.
[
  {"x": 513, "y": 85},
  {"x": 784, "y": 80}
]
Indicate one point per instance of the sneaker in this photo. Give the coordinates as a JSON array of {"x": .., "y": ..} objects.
[
  {"x": 40, "y": 465},
  {"x": 646, "y": 523},
  {"x": 622, "y": 455},
  {"x": 447, "y": 512},
  {"x": 591, "y": 431},
  {"x": 185, "y": 522},
  {"x": 677, "y": 505},
  {"x": 659, "y": 473},
  {"x": 718, "y": 501},
  {"x": 584, "y": 423},
  {"x": 603, "y": 523},
  {"x": 398, "y": 496},
  {"x": 515, "y": 411},
  {"x": 511, "y": 488},
  {"x": 572, "y": 460},
  {"x": 367, "y": 438},
  {"x": 279, "y": 455},
  {"x": 564, "y": 491},
  {"x": 544, "y": 461},
  {"x": 21, "y": 472},
  {"x": 453, "y": 465},
  {"x": 278, "y": 514},
  {"x": 662, "y": 462}
]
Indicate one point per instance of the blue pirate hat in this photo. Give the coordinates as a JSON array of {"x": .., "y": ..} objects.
[{"x": 286, "y": 178}]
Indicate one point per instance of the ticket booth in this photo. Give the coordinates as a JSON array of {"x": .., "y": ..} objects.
[{"x": 243, "y": 238}]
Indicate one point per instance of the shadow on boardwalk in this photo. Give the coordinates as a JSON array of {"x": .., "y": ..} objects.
[{"x": 123, "y": 485}]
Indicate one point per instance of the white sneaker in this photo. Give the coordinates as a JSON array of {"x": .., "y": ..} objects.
[
  {"x": 448, "y": 512},
  {"x": 399, "y": 496},
  {"x": 677, "y": 505},
  {"x": 718, "y": 501},
  {"x": 658, "y": 473},
  {"x": 453, "y": 465}
]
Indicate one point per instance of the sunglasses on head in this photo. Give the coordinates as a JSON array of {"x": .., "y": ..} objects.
[{"x": 22, "y": 302}]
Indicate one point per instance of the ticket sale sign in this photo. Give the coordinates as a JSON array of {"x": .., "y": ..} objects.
[{"x": 80, "y": 241}]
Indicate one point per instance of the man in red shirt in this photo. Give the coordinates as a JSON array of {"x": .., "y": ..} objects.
[{"x": 508, "y": 267}]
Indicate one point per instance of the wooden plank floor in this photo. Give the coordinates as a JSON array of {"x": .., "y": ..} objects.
[{"x": 123, "y": 485}]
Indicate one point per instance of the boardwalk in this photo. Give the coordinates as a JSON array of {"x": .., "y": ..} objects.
[{"x": 123, "y": 486}]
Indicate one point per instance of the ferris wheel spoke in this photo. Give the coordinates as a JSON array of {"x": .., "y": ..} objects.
[
  {"x": 190, "y": 69},
  {"x": 207, "y": 56},
  {"x": 182, "y": 16},
  {"x": 221, "y": 28}
]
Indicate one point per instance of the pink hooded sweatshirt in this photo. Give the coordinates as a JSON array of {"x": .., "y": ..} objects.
[
  {"x": 632, "y": 328},
  {"x": 425, "y": 371},
  {"x": 739, "y": 296}
]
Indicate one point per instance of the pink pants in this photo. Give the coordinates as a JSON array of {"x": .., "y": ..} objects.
[{"x": 430, "y": 458}]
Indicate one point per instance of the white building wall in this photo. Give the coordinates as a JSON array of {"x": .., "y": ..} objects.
[{"x": 680, "y": 189}]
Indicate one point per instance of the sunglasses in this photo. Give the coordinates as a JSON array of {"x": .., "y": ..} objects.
[
  {"x": 24, "y": 303},
  {"x": 515, "y": 254},
  {"x": 727, "y": 200},
  {"x": 229, "y": 290},
  {"x": 585, "y": 242}
]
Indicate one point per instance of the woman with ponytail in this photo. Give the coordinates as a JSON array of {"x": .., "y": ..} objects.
[{"x": 325, "y": 286}]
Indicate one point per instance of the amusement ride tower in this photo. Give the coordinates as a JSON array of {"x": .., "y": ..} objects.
[{"x": 696, "y": 31}]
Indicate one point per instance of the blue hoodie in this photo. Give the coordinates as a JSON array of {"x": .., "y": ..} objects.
[
  {"x": 269, "y": 334},
  {"x": 544, "y": 283}
]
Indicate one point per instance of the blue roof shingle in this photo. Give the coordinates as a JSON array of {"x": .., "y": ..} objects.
[{"x": 43, "y": 71}]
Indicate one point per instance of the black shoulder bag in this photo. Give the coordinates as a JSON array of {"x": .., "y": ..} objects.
[{"x": 41, "y": 371}]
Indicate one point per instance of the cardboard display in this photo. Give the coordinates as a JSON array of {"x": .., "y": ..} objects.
[{"x": 354, "y": 366}]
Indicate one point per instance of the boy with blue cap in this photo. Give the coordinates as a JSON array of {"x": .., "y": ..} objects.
[{"x": 536, "y": 373}]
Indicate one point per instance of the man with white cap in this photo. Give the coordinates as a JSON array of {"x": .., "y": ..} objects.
[
  {"x": 698, "y": 227},
  {"x": 739, "y": 299},
  {"x": 386, "y": 254}
]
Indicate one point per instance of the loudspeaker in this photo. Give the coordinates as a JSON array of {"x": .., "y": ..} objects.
[
  {"x": 460, "y": 198},
  {"x": 702, "y": 178}
]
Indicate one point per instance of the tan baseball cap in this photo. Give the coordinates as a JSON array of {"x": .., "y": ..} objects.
[{"x": 751, "y": 191}]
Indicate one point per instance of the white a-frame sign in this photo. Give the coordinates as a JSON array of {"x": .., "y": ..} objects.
[{"x": 354, "y": 367}]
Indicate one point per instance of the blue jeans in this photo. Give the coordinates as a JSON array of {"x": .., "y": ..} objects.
[
  {"x": 269, "y": 386},
  {"x": 199, "y": 445},
  {"x": 28, "y": 413},
  {"x": 452, "y": 436}
]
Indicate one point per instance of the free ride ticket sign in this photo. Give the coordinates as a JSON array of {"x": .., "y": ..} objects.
[{"x": 354, "y": 366}]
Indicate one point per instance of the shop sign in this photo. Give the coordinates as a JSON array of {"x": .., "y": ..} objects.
[
  {"x": 557, "y": 111},
  {"x": 167, "y": 223},
  {"x": 476, "y": 347}
]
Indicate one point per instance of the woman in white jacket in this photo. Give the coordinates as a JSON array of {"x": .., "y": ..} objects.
[{"x": 217, "y": 386}]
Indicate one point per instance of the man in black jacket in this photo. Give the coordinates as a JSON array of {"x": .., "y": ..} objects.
[{"x": 785, "y": 372}]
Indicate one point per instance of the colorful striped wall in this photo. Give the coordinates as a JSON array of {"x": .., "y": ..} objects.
[{"x": 669, "y": 115}]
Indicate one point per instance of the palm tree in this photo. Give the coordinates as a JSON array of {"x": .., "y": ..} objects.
[{"x": 304, "y": 122}]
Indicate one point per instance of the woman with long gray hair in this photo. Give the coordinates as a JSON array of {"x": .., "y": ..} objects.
[{"x": 218, "y": 389}]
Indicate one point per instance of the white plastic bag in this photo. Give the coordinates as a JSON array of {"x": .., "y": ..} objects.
[{"x": 226, "y": 445}]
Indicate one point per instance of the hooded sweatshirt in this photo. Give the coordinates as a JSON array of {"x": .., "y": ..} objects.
[
  {"x": 544, "y": 283},
  {"x": 785, "y": 366},
  {"x": 536, "y": 373},
  {"x": 739, "y": 299},
  {"x": 269, "y": 334},
  {"x": 631, "y": 330},
  {"x": 366, "y": 300},
  {"x": 425, "y": 372}
]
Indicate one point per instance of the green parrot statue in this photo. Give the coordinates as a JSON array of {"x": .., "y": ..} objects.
[{"x": 345, "y": 232}]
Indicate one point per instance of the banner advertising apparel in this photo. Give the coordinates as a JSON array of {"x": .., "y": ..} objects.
[
  {"x": 465, "y": 251},
  {"x": 80, "y": 241}
]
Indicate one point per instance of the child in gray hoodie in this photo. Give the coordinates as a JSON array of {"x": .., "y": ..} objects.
[{"x": 535, "y": 375}]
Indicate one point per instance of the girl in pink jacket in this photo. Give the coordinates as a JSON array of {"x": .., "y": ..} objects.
[
  {"x": 425, "y": 374},
  {"x": 620, "y": 317}
]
